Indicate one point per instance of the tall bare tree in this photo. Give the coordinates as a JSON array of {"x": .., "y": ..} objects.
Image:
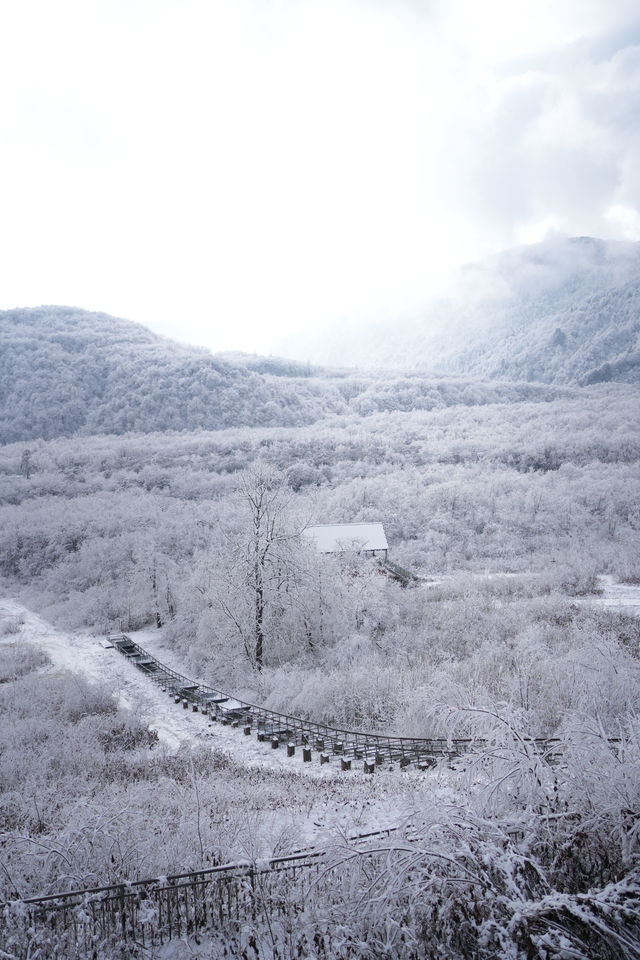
[{"x": 267, "y": 558}]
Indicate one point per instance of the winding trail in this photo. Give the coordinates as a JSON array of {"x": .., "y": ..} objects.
[
  {"x": 89, "y": 656},
  {"x": 176, "y": 728}
]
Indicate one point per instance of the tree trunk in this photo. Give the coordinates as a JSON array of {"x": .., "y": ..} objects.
[{"x": 259, "y": 624}]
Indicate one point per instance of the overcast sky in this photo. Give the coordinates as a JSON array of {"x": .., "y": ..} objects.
[{"x": 228, "y": 171}]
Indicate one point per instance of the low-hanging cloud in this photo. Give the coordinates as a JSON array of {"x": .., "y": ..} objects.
[{"x": 229, "y": 172}]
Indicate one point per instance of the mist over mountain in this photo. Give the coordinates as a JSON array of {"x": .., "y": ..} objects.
[
  {"x": 67, "y": 372},
  {"x": 560, "y": 311},
  {"x": 565, "y": 313}
]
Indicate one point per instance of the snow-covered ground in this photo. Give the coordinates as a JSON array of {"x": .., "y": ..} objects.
[
  {"x": 345, "y": 803},
  {"x": 611, "y": 595},
  {"x": 87, "y": 654},
  {"x": 181, "y": 729},
  {"x": 619, "y": 596},
  {"x": 370, "y": 803},
  {"x": 176, "y": 727}
]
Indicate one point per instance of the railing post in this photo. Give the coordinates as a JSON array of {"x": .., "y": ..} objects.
[{"x": 123, "y": 917}]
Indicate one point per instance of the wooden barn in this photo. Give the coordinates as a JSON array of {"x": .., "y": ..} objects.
[{"x": 367, "y": 538}]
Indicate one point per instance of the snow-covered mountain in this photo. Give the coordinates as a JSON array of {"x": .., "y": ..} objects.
[
  {"x": 560, "y": 311},
  {"x": 65, "y": 371},
  {"x": 565, "y": 312}
]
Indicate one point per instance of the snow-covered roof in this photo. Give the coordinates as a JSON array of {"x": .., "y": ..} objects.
[{"x": 340, "y": 537}]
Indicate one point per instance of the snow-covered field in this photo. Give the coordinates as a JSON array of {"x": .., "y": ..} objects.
[
  {"x": 619, "y": 596},
  {"x": 88, "y": 654},
  {"x": 378, "y": 802},
  {"x": 177, "y": 728},
  {"x": 314, "y": 805}
]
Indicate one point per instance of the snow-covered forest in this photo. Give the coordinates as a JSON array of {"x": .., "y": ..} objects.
[
  {"x": 320, "y": 480},
  {"x": 512, "y": 505},
  {"x": 65, "y": 372}
]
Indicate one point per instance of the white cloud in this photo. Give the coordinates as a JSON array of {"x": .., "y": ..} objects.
[{"x": 232, "y": 171}]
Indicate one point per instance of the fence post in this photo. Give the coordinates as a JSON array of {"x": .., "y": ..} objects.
[{"x": 123, "y": 916}]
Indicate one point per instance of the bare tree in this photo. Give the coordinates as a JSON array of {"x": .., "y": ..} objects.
[
  {"x": 267, "y": 561},
  {"x": 26, "y": 465}
]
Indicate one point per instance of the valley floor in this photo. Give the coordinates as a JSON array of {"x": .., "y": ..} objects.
[
  {"x": 90, "y": 656},
  {"x": 378, "y": 802},
  {"x": 382, "y": 801},
  {"x": 468, "y": 829}
]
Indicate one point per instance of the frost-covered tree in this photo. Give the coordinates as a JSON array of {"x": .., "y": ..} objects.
[
  {"x": 26, "y": 464},
  {"x": 261, "y": 558}
]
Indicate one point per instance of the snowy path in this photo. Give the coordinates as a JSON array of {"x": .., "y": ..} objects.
[
  {"x": 340, "y": 804},
  {"x": 350, "y": 802},
  {"x": 86, "y": 654},
  {"x": 624, "y": 597},
  {"x": 177, "y": 728}
]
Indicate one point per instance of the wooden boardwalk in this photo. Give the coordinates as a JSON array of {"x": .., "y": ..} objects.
[
  {"x": 282, "y": 730},
  {"x": 225, "y": 898}
]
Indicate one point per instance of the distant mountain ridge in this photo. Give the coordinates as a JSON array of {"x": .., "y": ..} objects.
[
  {"x": 564, "y": 311},
  {"x": 65, "y": 371},
  {"x": 68, "y": 372}
]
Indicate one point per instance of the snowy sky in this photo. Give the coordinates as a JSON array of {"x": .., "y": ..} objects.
[{"x": 228, "y": 171}]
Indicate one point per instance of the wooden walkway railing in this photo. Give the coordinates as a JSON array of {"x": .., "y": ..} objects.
[
  {"x": 279, "y": 729},
  {"x": 149, "y": 913}
]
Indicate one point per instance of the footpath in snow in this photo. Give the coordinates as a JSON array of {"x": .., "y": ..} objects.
[
  {"x": 370, "y": 803},
  {"x": 340, "y": 804},
  {"x": 89, "y": 656},
  {"x": 177, "y": 728}
]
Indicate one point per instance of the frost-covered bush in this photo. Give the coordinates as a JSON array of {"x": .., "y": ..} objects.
[
  {"x": 10, "y": 625},
  {"x": 19, "y": 659}
]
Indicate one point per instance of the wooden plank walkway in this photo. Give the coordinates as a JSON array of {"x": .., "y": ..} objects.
[
  {"x": 278, "y": 729},
  {"x": 151, "y": 912}
]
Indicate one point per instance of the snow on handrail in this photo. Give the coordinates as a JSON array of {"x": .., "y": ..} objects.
[{"x": 373, "y": 748}]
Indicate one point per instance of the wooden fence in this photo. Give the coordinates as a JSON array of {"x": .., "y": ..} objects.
[
  {"x": 231, "y": 899},
  {"x": 226, "y": 898}
]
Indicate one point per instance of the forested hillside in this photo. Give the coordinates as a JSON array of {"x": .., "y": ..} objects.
[
  {"x": 64, "y": 371},
  {"x": 510, "y": 503},
  {"x": 565, "y": 311}
]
